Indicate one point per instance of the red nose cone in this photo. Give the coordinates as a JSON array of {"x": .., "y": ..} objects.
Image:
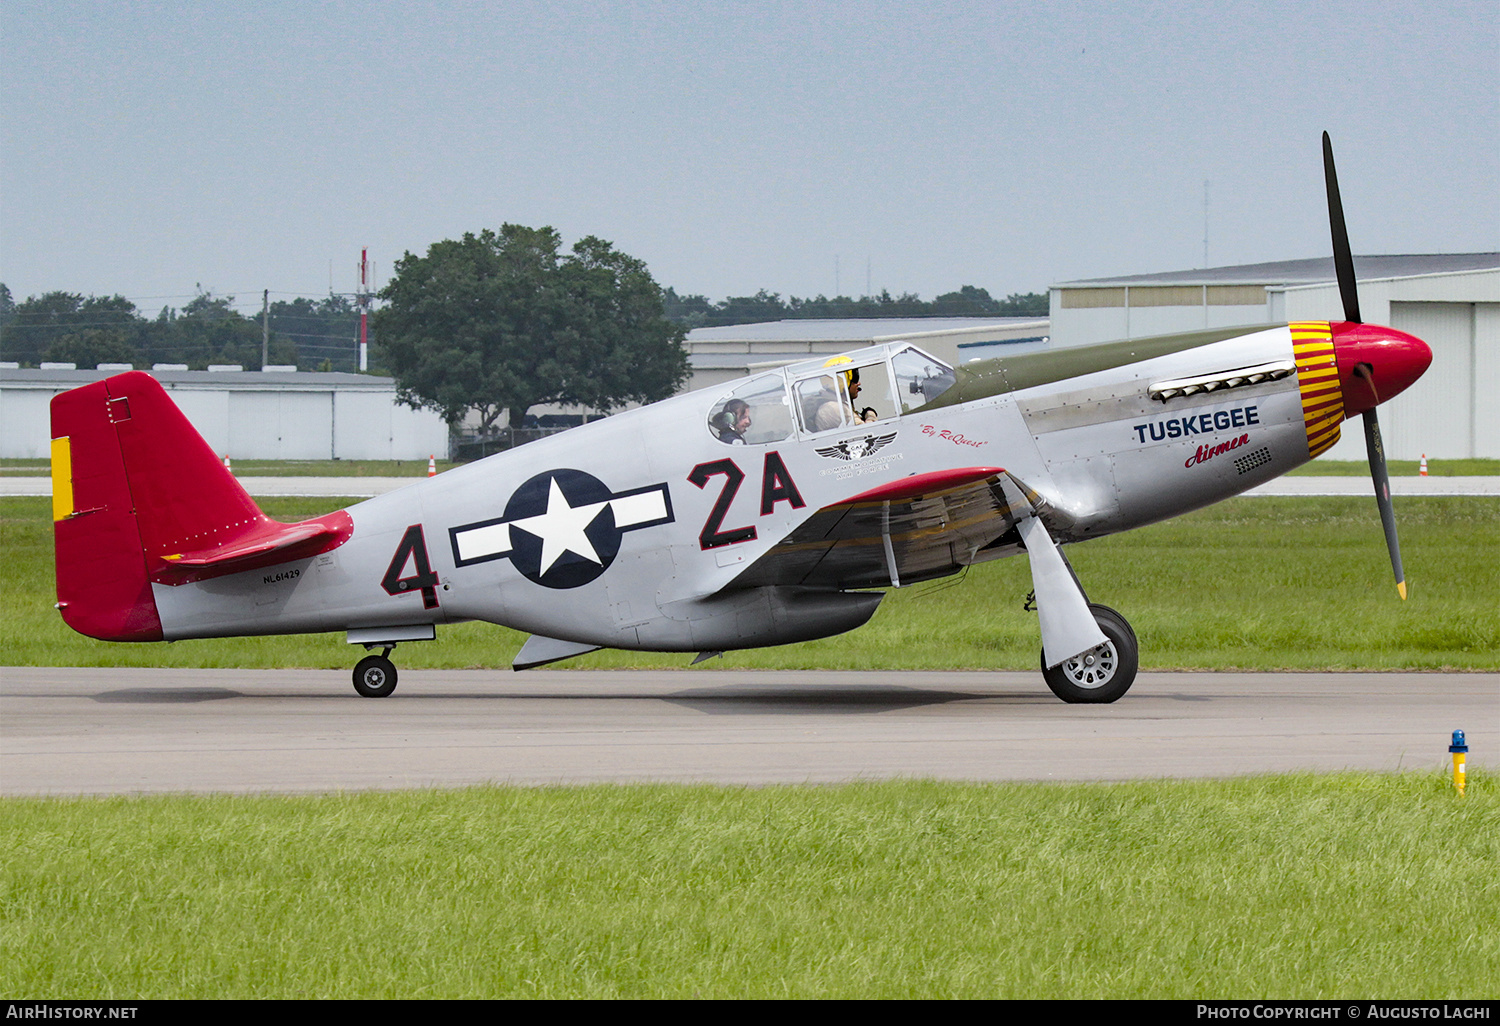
[{"x": 1376, "y": 363}]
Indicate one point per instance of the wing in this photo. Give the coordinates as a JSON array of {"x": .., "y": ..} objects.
[{"x": 912, "y": 529}]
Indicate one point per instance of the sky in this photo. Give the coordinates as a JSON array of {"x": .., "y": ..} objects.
[{"x": 155, "y": 150}]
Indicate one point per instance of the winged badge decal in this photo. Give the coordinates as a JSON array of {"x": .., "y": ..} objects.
[{"x": 857, "y": 448}]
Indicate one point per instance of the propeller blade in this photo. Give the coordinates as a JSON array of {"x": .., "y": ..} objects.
[
  {"x": 1343, "y": 265},
  {"x": 1343, "y": 257},
  {"x": 1383, "y": 495}
]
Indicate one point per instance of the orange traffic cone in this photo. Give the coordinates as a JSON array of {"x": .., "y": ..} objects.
[
  {"x": 432, "y": 466},
  {"x": 226, "y": 463},
  {"x": 1423, "y": 468}
]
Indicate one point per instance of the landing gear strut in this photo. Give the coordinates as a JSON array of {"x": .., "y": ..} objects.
[
  {"x": 375, "y": 675},
  {"x": 1101, "y": 674}
]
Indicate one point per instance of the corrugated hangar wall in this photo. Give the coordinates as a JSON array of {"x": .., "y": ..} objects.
[
  {"x": 245, "y": 416},
  {"x": 1452, "y": 411},
  {"x": 262, "y": 424}
]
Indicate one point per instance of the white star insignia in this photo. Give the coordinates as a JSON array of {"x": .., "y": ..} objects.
[{"x": 562, "y": 528}]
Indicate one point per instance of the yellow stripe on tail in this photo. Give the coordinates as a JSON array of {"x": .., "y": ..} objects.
[{"x": 62, "y": 478}]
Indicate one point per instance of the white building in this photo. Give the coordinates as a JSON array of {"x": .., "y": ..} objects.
[
  {"x": 277, "y": 415},
  {"x": 1452, "y": 301}
]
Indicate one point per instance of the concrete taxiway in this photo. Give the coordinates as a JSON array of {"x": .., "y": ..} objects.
[{"x": 124, "y": 731}]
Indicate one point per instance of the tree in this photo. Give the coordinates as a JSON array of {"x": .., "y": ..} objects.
[
  {"x": 91, "y": 329},
  {"x": 33, "y": 325},
  {"x": 688, "y": 311},
  {"x": 208, "y": 330},
  {"x": 968, "y": 301},
  {"x": 500, "y": 322},
  {"x": 93, "y": 346},
  {"x": 763, "y": 306},
  {"x": 1029, "y": 304},
  {"x": 325, "y": 331}
]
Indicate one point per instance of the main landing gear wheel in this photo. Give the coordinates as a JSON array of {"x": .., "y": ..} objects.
[
  {"x": 1101, "y": 674},
  {"x": 375, "y": 676}
]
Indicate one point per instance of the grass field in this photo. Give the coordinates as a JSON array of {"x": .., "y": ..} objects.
[
  {"x": 1269, "y": 583},
  {"x": 1400, "y": 468},
  {"x": 1345, "y": 886},
  {"x": 277, "y": 468},
  {"x": 418, "y": 468}
]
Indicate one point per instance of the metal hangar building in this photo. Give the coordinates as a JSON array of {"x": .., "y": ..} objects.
[
  {"x": 1452, "y": 301},
  {"x": 272, "y": 414}
]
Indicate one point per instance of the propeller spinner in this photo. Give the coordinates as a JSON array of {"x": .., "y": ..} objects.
[{"x": 1374, "y": 363}]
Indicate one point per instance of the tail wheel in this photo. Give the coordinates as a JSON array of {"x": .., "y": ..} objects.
[
  {"x": 1101, "y": 674},
  {"x": 375, "y": 676}
]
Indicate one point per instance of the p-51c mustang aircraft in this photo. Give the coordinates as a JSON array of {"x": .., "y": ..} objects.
[{"x": 768, "y": 511}]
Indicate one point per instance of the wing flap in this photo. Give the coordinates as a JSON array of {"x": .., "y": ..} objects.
[{"x": 913, "y": 529}]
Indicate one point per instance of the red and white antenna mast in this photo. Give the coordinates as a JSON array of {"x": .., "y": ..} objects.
[{"x": 363, "y": 299}]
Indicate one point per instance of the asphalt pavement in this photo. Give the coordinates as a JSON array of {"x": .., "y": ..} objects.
[{"x": 150, "y": 730}]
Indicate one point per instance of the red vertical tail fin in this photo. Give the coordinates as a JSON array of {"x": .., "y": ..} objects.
[
  {"x": 102, "y": 587},
  {"x": 139, "y": 498}
]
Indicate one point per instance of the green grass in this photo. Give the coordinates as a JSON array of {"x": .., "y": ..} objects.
[
  {"x": 275, "y": 468},
  {"x": 26, "y": 468},
  {"x": 1400, "y": 468},
  {"x": 1267, "y": 583},
  {"x": 417, "y": 468},
  {"x": 1345, "y": 886}
]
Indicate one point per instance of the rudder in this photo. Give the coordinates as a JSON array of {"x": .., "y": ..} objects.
[{"x": 102, "y": 587}]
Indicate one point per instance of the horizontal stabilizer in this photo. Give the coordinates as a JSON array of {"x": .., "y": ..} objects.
[{"x": 266, "y": 543}]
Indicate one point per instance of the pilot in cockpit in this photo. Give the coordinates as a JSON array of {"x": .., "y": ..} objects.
[
  {"x": 731, "y": 423},
  {"x": 835, "y": 405}
]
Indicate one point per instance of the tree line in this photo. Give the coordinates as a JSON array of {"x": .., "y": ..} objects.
[
  {"x": 969, "y": 301},
  {"x": 323, "y": 334},
  {"x": 481, "y": 327},
  {"x": 65, "y": 327}
]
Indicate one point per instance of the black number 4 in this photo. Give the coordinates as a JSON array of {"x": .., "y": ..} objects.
[{"x": 413, "y": 547}]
